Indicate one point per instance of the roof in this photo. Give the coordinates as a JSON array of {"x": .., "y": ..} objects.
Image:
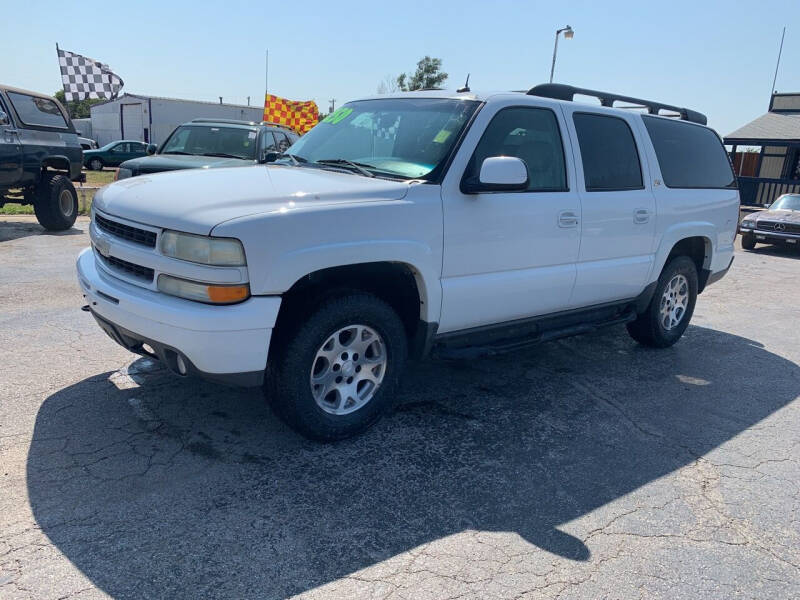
[
  {"x": 8, "y": 88},
  {"x": 143, "y": 97},
  {"x": 768, "y": 127}
]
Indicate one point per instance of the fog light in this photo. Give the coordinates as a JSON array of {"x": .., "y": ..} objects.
[{"x": 181, "y": 365}]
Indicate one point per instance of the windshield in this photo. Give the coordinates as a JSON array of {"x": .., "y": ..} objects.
[
  {"x": 787, "y": 202},
  {"x": 202, "y": 140},
  {"x": 403, "y": 137}
]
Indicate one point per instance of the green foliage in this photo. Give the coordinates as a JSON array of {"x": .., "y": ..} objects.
[
  {"x": 428, "y": 75},
  {"x": 79, "y": 109}
]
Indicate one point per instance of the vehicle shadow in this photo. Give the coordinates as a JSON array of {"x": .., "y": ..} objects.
[
  {"x": 13, "y": 230},
  {"x": 776, "y": 250},
  {"x": 180, "y": 489}
]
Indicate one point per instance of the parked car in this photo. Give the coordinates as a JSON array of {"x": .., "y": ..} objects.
[
  {"x": 779, "y": 224},
  {"x": 113, "y": 154},
  {"x": 458, "y": 222},
  {"x": 212, "y": 143},
  {"x": 86, "y": 143},
  {"x": 40, "y": 157}
]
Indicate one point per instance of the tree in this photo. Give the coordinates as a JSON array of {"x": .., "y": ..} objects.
[
  {"x": 78, "y": 109},
  {"x": 429, "y": 75},
  {"x": 388, "y": 85}
]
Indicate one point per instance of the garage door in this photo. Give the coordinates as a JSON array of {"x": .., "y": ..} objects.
[{"x": 132, "y": 122}]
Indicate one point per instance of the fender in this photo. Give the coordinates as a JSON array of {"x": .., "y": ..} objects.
[
  {"x": 675, "y": 234},
  {"x": 290, "y": 267}
]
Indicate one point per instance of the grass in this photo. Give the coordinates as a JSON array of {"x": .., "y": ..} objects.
[{"x": 94, "y": 180}]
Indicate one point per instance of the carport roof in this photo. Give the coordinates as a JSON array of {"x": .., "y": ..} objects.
[{"x": 769, "y": 127}]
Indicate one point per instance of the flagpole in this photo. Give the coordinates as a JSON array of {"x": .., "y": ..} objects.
[{"x": 266, "y": 75}]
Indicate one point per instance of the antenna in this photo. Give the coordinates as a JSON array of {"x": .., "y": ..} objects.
[{"x": 466, "y": 86}]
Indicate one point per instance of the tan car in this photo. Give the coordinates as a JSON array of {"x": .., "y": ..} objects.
[{"x": 779, "y": 224}]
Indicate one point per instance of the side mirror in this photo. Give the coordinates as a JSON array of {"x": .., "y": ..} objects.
[
  {"x": 498, "y": 174},
  {"x": 4, "y": 120},
  {"x": 151, "y": 149},
  {"x": 268, "y": 157}
]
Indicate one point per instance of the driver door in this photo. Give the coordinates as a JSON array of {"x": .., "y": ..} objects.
[{"x": 510, "y": 255}]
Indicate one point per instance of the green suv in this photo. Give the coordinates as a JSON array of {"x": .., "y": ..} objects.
[
  {"x": 113, "y": 154},
  {"x": 211, "y": 143}
]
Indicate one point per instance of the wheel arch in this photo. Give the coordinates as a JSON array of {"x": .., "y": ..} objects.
[
  {"x": 694, "y": 241},
  {"x": 56, "y": 163},
  {"x": 399, "y": 284}
]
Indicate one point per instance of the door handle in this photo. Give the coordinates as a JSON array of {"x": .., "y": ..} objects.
[
  {"x": 567, "y": 218},
  {"x": 641, "y": 216}
]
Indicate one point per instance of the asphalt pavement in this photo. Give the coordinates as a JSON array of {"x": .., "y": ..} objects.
[{"x": 583, "y": 468}]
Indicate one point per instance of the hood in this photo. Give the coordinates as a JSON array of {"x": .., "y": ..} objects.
[
  {"x": 172, "y": 162},
  {"x": 787, "y": 216},
  {"x": 197, "y": 200}
]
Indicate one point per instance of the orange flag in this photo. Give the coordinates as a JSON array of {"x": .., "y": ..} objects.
[{"x": 299, "y": 116}]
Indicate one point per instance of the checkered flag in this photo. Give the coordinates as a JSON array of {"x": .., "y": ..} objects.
[{"x": 84, "y": 77}]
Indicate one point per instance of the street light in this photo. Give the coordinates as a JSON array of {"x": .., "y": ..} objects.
[{"x": 568, "y": 34}]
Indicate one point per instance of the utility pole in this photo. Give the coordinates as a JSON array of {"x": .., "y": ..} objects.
[{"x": 332, "y": 106}]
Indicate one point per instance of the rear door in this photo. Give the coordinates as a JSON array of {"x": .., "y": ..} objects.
[
  {"x": 618, "y": 206},
  {"x": 10, "y": 150},
  {"x": 118, "y": 154}
]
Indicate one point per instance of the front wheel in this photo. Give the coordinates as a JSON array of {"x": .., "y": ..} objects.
[
  {"x": 670, "y": 310},
  {"x": 338, "y": 370},
  {"x": 748, "y": 241}
]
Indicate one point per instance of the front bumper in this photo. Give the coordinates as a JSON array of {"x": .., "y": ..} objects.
[
  {"x": 223, "y": 343},
  {"x": 772, "y": 236}
]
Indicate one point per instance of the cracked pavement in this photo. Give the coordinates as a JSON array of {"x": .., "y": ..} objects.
[{"x": 583, "y": 468}]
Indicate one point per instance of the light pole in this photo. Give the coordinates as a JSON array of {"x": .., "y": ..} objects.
[{"x": 568, "y": 33}]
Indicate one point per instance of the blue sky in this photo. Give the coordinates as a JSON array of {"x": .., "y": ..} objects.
[{"x": 716, "y": 57}]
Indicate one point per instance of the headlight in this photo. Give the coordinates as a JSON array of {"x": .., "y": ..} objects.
[
  {"x": 124, "y": 174},
  {"x": 748, "y": 223},
  {"x": 203, "y": 292},
  {"x": 220, "y": 252}
]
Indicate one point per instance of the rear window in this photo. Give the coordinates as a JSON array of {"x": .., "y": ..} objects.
[
  {"x": 690, "y": 156},
  {"x": 609, "y": 154},
  {"x": 36, "y": 111}
]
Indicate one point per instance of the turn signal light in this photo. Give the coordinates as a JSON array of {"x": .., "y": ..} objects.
[{"x": 226, "y": 294}]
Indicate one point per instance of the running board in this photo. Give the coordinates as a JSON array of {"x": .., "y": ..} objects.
[{"x": 453, "y": 347}]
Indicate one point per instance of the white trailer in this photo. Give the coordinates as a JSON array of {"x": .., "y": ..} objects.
[{"x": 152, "y": 118}]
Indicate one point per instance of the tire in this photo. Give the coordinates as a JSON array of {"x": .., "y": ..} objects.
[
  {"x": 748, "y": 241},
  {"x": 96, "y": 164},
  {"x": 655, "y": 329},
  {"x": 299, "y": 356},
  {"x": 56, "y": 202}
]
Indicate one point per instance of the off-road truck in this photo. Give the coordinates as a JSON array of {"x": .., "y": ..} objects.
[
  {"x": 458, "y": 222},
  {"x": 40, "y": 157}
]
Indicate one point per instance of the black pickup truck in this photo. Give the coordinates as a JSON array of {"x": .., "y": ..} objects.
[{"x": 40, "y": 157}]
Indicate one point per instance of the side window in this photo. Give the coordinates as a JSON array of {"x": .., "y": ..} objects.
[
  {"x": 282, "y": 140},
  {"x": 609, "y": 154},
  {"x": 531, "y": 134},
  {"x": 268, "y": 142},
  {"x": 37, "y": 111},
  {"x": 690, "y": 156},
  {"x": 120, "y": 148}
]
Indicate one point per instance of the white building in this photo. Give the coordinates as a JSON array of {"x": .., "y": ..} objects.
[{"x": 152, "y": 118}]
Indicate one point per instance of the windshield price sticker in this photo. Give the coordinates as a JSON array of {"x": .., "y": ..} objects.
[
  {"x": 337, "y": 115},
  {"x": 442, "y": 136}
]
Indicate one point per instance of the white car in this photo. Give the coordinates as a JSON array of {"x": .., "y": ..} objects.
[{"x": 459, "y": 222}]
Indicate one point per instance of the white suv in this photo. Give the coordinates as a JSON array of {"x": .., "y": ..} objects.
[{"x": 457, "y": 222}]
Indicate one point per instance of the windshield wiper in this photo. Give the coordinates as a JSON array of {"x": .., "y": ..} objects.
[
  {"x": 178, "y": 152},
  {"x": 222, "y": 155},
  {"x": 296, "y": 159},
  {"x": 347, "y": 163}
]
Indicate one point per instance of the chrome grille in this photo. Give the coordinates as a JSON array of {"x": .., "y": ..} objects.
[{"x": 126, "y": 232}]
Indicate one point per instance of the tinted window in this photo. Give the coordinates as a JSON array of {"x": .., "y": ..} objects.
[
  {"x": 608, "y": 150},
  {"x": 283, "y": 141},
  {"x": 530, "y": 134},
  {"x": 690, "y": 156},
  {"x": 37, "y": 111},
  {"x": 268, "y": 142},
  {"x": 120, "y": 148}
]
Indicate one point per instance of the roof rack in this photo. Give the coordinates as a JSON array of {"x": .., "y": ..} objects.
[
  {"x": 231, "y": 121},
  {"x": 560, "y": 91}
]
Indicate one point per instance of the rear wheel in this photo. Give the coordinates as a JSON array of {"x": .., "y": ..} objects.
[
  {"x": 56, "y": 202},
  {"x": 96, "y": 164},
  {"x": 337, "y": 372},
  {"x": 670, "y": 310},
  {"x": 748, "y": 241}
]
